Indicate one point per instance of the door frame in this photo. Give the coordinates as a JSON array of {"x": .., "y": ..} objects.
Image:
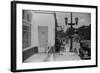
[{"x": 39, "y": 38}]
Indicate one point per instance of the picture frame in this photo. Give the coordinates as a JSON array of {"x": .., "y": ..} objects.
[{"x": 20, "y": 33}]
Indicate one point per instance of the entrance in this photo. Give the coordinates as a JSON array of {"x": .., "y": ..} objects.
[{"x": 43, "y": 38}]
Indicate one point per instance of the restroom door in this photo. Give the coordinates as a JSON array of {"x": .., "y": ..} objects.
[{"x": 43, "y": 38}]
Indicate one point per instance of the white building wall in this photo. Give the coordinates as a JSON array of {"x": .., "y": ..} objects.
[{"x": 40, "y": 19}]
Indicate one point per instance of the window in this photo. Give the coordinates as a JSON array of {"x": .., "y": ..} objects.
[
  {"x": 28, "y": 17},
  {"x": 23, "y": 14},
  {"x": 26, "y": 36}
]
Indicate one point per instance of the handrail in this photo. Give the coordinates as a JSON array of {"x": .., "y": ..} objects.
[
  {"x": 49, "y": 52},
  {"x": 49, "y": 48}
]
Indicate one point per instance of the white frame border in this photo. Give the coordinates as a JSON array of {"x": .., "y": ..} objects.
[{"x": 21, "y": 65}]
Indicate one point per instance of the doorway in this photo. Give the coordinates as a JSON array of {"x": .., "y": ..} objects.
[{"x": 43, "y": 38}]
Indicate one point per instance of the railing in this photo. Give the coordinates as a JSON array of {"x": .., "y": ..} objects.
[{"x": 50, "y": 53}]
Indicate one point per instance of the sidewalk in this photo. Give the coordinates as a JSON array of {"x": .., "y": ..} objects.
[
  {"x": 43, "y": 57},
  {"x": 39, "y": 57},
  {"x": 65, "y": 56}
]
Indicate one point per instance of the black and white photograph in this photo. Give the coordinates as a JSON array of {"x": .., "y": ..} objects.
[
  {"x": 55, "y": 36},
  {"x": 47, "y": 36}
]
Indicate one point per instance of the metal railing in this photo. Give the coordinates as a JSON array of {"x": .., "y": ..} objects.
[{"x": 50, "y": 53}]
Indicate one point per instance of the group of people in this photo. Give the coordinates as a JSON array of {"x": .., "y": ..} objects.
[{"x": 60, "y": 44}]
